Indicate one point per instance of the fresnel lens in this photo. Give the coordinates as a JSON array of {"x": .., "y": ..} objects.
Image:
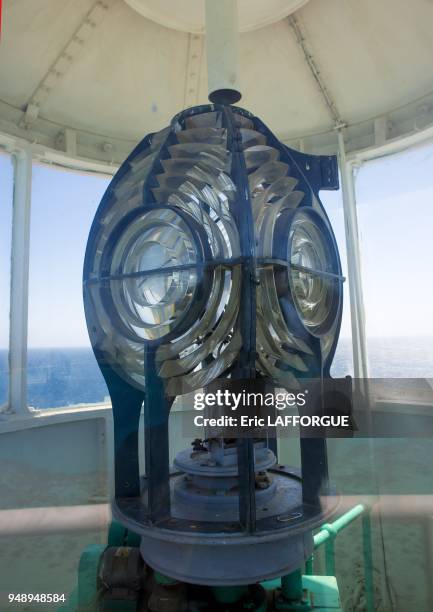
[{"x": 211, "y": 259}]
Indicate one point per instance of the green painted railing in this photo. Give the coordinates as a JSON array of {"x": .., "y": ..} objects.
[{"x": 326, "y": 537}]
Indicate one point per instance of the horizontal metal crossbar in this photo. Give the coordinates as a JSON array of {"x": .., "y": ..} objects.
[{"x": 227, "y": 263}]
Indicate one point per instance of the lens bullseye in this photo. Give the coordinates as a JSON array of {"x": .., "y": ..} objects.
[
  {"x": 151, "y": 292},
  {"x": 313, "y": 262}
]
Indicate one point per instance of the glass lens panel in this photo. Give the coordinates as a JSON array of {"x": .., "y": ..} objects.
[
  {"x": 146, "y": 295},
  {"x": 311, "y": 253}
]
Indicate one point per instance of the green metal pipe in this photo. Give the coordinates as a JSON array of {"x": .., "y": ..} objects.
[
  {"x": 368, "y": 562},
  {"x": 330, "y": 530},
  {"x": 349, "y": 516},
  {"x": 229, "y": 594},
  {"x": 327, "y": 535},
  {"x": 291, "y": 586},
  {"x": 330, "y": 557},
  {"x": 309, "y": 566},
  {"x": 320, "y": 538}
]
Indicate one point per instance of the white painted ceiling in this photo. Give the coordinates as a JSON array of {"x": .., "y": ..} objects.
[
  {"x": 189, "y": 15},
  {"x": 125, "y": 74}
]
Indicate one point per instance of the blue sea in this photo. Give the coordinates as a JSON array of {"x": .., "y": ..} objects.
[{"x": 60, "y": 377}]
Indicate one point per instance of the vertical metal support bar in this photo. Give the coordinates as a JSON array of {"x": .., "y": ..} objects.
[
  {"x": 330, "y": 557},
  {"x": 109, "y": 449},
  {"x": 126, "y": 474},
  {"x": 126, "y": 403},
  {"x": 332, "y": 530},
  {"x": 247, "y": 484},
  {"x": 193, "y": 69},
  {"x": 245, "y": 369},
  {"x": 19, "y": 297},
  {"x": 156, "y": 443},
  {"x": 291, "y": 586},
  {"x": 314, "y": 461},
  {"x": 360, "y": 363},
  {"x": 309, "y": 566},
  {"x": 368, "y": 561}
]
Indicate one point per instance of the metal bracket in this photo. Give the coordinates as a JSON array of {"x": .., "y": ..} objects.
[{"x": 193, "y": 69}]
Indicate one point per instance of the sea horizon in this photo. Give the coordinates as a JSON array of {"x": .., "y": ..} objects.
[{"x": 67, "y": 376}]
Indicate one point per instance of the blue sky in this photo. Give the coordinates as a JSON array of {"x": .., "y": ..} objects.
[
  {"x": 63, "y": 206},
  {"x": 395, "y": 210},
  {"x": 395, "y": 218}
]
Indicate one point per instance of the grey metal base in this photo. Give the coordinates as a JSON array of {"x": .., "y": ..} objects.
[
  {"x": 202, "y": 541},
  {"x": 226, "y": 561}
]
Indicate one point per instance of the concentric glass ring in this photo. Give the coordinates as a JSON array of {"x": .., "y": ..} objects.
[
  {"x": 314, "y": 276},
  {"x": 153, "y": 266}
]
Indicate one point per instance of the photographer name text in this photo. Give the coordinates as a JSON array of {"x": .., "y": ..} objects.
[{"x": 277, "y": 421}]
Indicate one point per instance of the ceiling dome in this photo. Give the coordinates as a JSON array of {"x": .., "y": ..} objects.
[
  {"x": 188, "y": 15},
  {"x": 91, "y": 78}
]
